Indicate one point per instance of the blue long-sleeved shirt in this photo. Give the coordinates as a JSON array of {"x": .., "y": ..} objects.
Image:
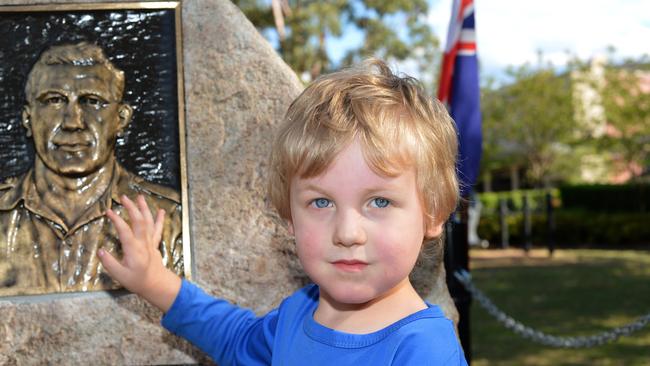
[{"x": 289, "y": 335}]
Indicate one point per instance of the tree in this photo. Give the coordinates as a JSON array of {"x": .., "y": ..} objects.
[
  {"x": 615, "y": 109},
  {"x": 501, "y": 152},
  {"x": 529, "y": 124},
  {"x": 626, "y": 101},
  {"x": 394, "y": 30}
]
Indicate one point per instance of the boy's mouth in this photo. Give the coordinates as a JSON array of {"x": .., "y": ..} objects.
[{"x": 350, "y": 265}]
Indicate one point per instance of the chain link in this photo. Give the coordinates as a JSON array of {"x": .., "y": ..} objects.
[{"x": 537, "y": 336}]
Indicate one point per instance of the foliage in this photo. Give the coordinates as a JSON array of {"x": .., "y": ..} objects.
[
  {"x": 573, "y": 227},
  {"x": 607, "y": 198},
  {"x": 394, "y": 30},
  {"x": 584, "y": 214},
  {"x": 615, "y": 110},
  {"x": 529, "y": 123},
  {"x": 515, "y": 199},
  {"x": 626, "y": 99},
  {"x": 499, "y": 152}
]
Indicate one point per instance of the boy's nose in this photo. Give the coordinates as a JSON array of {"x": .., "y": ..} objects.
[
  {"x": 349, "y": 229},
  {"x": 72, "y": 119}
]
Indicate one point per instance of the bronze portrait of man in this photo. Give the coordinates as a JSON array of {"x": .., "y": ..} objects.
[{"x": 52, "y": 218}]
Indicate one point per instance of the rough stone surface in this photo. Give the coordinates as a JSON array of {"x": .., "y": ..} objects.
[{"x": 236, "y": 90}]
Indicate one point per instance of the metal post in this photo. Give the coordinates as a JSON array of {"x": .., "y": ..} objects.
[
  {"x": 457, "y": 258},
  {"x": 528, "y": 232},
  {"x": 503, "y": 220},
  {"x": 550, "y": 224}
]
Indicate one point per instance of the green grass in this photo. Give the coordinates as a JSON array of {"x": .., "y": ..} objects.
[{"x": 577, "y": 293}]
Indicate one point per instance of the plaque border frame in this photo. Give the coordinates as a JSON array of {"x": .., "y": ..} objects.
[{"x": 176, "y": 7}]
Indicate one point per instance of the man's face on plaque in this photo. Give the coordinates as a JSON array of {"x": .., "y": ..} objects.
[{"x": 74, "y": 115}]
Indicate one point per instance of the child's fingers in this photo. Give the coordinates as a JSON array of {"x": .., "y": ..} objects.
[
  {"x": 113, "y": 267},
  {"x": 158, "y": 227},
  {"x": 131, "y": 209},
  {"x": 141, "y": 226},
  {"x": 123, "y": 230},
  {"x": 144, "y": 210}
]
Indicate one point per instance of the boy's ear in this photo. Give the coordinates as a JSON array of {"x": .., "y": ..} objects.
[
  {"x": 290, "y": 227},
  {"x": 434, "y": 228}
]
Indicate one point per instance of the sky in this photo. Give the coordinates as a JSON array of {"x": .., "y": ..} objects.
[{"x": 511, "y": 32}]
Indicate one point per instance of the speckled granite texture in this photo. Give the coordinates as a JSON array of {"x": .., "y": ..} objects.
[{"x": 236, "y": 90}]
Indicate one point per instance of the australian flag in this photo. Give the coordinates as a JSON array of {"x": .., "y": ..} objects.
[{"x": 459, "y": 90}]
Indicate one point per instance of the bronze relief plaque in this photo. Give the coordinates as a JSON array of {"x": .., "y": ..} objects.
[{"x": 91, "y": 110}]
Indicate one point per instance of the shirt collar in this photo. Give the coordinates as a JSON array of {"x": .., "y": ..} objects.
[
  {"x": 15, "y": 190},
  {"x": 23, "y": 189}
]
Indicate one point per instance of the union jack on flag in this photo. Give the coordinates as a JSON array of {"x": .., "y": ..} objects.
[{"x": 459, "y": 90}]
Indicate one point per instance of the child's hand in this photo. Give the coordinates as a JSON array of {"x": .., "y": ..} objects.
[{"x": 141, "y": 270}]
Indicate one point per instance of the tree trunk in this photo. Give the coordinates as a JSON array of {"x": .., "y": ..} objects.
[{"x": 514, "y": 177}]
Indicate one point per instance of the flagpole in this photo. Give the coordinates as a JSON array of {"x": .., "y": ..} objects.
[
  {"x": 459, "y": 90},
  {"x": 457, "y": 259}
]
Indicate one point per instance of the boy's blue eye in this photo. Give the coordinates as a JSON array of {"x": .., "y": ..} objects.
[
  {"x": 321, "y": 202},
  {"x": 380, "y": 202}
]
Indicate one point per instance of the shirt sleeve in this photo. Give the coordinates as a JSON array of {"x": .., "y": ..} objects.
[{"x": 229, "y": 334}]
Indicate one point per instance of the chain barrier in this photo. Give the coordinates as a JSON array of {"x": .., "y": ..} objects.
[{"x": 537, "y": 336}]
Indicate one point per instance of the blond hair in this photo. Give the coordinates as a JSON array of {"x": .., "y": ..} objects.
[{"x": 396, "y": 123}]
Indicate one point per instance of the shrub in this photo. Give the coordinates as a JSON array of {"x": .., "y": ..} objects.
[
  {"x": 573, "y": 227},
  {"x": 584, "y": 214},
  {"x": 515, "y": 199},
  {"x": 621, "y": 198}
]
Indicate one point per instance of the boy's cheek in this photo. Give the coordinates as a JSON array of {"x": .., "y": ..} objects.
[
  {"x": 309, "y": 252},
  {"x": 308, "y": 236}
]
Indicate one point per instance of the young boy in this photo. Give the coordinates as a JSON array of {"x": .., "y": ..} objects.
[{"x": 363, "y": 172}]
